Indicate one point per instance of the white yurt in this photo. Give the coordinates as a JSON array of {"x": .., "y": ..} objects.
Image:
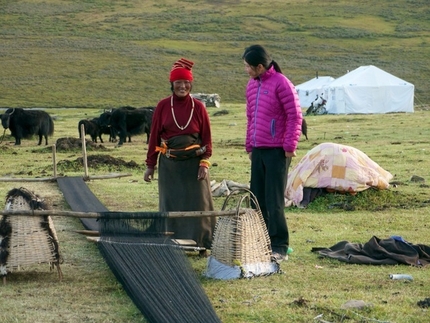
[
  {"x": 310, "y": 90},
  {"x": 368, "y": 89}
]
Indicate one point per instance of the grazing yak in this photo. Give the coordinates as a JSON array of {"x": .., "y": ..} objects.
[
  {"x": 104, "y": 123},
  {"x": 104, "y": 130},
  {"x": 128, "y": 121},
  {"x": 95, "y": 129},
  {"x": 91, "y": 128},
  {"x": 27, "y": 123}
]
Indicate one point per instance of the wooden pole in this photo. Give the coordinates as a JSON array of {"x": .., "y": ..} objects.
[
  {"x": 53, "y": 179},
  {"x": 84, "y": 151},
  {"x": 91, "y": 233},
  {"x": 107, "y": 176},
  {"x": 54, "y": 160},
  {"x": 143, "y": 215},
  {"x": 45, "y": 179}
]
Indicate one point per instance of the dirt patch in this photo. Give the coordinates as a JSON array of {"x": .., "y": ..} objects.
[
  {"x": 6, "y": 149},
  {"x": 68, "y": 143},
  {"x": 97, "y": 162},
  {"x": 220, "y": 113},
  {"x": 102, "y": 160}
]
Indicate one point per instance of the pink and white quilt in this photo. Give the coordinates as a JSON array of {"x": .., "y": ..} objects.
[{"x": 334, "y": 167}]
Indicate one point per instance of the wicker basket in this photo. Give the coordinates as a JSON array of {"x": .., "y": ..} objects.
[
  {"x": 30, "y": 239},
  {"x": 241, "y": 242}
]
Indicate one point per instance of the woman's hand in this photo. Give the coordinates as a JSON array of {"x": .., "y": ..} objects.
[
  {"x": 149, "y": 175},
  {"x": 202, "y": 173},
  {"x": 290, "y": 154}
]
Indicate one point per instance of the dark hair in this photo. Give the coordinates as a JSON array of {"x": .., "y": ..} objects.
[{"x": 257, "y": 54}]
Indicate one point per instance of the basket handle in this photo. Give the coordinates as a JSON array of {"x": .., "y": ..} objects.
[{"x": 245, "y": 197}]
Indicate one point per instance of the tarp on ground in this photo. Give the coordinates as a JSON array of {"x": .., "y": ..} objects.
[
  {"x": 312, "y": 89},
  {"x": 369, "y": 90}
]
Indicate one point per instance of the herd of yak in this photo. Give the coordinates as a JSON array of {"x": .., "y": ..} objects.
[{"x": 122, "y": 122}]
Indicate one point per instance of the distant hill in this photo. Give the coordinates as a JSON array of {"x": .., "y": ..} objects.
[{"x": 103, "y": 53}]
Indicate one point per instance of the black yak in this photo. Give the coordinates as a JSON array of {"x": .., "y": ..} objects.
[
  {"x": 90, "y": 128},
  {"x": 104, "y": 130},
  {"x": 27, "y": 123},
  {"x": 128, "y": 121},
  {"x": 104, "y": 124}
]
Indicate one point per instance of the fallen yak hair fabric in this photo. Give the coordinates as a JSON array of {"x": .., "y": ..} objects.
[
  {"x": 389, "y": 251},
  {"x": 153, "y": 270},
  {"x": 5, "y": 230}
]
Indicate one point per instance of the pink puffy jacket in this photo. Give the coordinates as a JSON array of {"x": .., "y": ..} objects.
[{"x": 273, "y": 112}]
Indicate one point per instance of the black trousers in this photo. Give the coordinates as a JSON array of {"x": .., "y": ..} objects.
[{"x": 269, "y": 172}]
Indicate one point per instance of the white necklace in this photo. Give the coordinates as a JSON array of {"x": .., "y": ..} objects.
[{"x": 173, "y": 114}]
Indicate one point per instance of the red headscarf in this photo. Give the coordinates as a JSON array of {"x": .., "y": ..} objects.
[{"x": 182, "y": 70}]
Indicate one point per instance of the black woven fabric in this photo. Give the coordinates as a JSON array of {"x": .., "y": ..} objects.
[
  {"x": 158, "y": 278},
  {"x": 81, "y": 199},
  {"x": 154, "y": 271},
  {"x": 122, "y": 224}
]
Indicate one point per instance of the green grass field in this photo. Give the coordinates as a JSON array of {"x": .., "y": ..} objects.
[
  {"x": 89, "y": 55},
  {"x": 106, "y": 54},
  {"x": 308, "y": 287}
]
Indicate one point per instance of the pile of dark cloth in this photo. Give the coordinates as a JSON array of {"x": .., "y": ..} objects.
[{"x": 392, "y": 251}]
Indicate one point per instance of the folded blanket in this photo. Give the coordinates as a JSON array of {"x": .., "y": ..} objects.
[
  {"x": 334, "y": 167},
  {"x": 391, "y": 251}
]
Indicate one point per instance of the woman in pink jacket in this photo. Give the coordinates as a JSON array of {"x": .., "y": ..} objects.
[{"x": 274, "y": 120}]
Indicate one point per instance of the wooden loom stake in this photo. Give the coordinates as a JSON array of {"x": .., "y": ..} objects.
[
  {"x": 54, "y": 160},
  {"x": 84, "y": 152}
]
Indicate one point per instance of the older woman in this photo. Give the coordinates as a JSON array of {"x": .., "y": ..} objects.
[{"x": 181, "y": 141}]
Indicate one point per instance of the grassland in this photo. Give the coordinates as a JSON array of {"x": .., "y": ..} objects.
[
  {"x": 309, "y": 286},
  {"x": 89, "y": 55},
  {"x": 103, "y": 53}
]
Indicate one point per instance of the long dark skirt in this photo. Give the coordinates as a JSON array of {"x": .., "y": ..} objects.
[{"x": 179, "y": 190}]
